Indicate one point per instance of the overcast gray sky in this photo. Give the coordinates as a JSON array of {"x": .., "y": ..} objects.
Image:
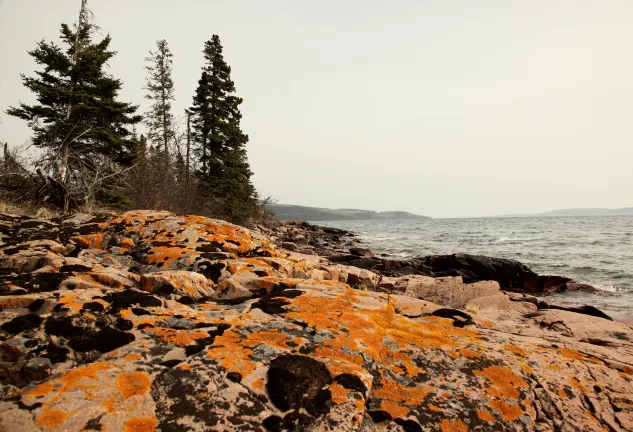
[{"x": 445, "y": 108}]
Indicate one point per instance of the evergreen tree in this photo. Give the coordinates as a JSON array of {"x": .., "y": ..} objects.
[
  {"x": 160, "y": 90},
  {"x": 219, "y": 143},
  {"x": 78, "y": 120}
]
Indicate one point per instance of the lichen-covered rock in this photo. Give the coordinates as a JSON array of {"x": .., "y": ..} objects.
[{"x": 148, "y": 321}]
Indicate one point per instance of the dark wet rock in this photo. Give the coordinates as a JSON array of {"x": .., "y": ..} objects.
[
  {"x": 298, "y": 381},
  {"x": 510, "y": 274},
  {"x": 361, "y": 252},
  {"x": 22, "y": 323}
]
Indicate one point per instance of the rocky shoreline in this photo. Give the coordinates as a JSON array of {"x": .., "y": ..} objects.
[{"x": 148, "y": 321}]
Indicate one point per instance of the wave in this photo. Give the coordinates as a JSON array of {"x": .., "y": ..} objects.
[
  {"x": 612, "y": 289},
  {"x": 514, "y": 239}
]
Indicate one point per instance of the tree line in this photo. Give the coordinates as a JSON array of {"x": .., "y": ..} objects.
[{"x": 89, "y": 148}]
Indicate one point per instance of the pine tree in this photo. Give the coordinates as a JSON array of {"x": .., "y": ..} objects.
[
  {"x": 219, "y": 143},
  {"x": 160, "y": 90},
  {"x": 78, "y": 120}
]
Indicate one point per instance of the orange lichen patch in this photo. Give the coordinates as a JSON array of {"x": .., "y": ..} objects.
[
  {"x": 168, "y": 254},
  {"x": 561, "y": 393},
  {"x": 127, "y": 243},
  {"x": 230, "y": 352},
  {"x": 434, "y": 408},
  {"x": 485, "y": 416},
  {"x": 527, "y": 369},
  {"x": 515, "y": 349},
  {"x": 132, "y": 357},
  {"x": 258, "y": 384},
  {"x": 468, "y": 353},
  {"x": 41, "y": 390},
  {"x": 181, "y": 338},
  {"x": 15, "y": 302},
  {"x": 133, "y": 383},
  {"x": 109, "y": 404},
  {"x": 391, "y": 390},
  {"x": 509, "y": 412},
  {"x": 453, "y": 426},
  {"x": 505, "y": 382},
  {"x": 453, "y": 354},
  {"x": 52, "y": 418},
  {"x": 141, "y": 424},
  {"x": 270, "y": 338},
  {"x": 90, "y": 241},
  {"x": 572, "y": 354},
  {"x": 486, "y": 324},
  {"x": 394, "y": 409},
  {"x": 210, "y": 306},
  {"x": 339, "y": 393},
  {"x": 102, "y": 279},
  {"x": 185, "y": 366},
  {"x": 575, "y": 383},
  {"x": 70, "y": 301},
  {"x": 554, "y": 367},
  {"x": 74, "y": 379}
]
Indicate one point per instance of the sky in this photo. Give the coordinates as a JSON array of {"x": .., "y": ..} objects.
[{"x": 447, "y": 108}]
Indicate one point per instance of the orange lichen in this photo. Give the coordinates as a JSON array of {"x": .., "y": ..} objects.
[
  {"x": 572, "y": 354},
  {"x": 109, "y": 404},
  {"x": 468, "y": 353},
  {"x": 90, "y": 241},
  {"x": 185, "y": 366},
  {"x": 561, "y": 393},
  {"x": 258, "y": 384},
  {"x": 515, "y": 349},
  {"x": 52, "y": 418},
  {"x": 141, "y": 424},
  {"x": 505, "y": 382},
  {"x": 509, "y": 412},
  {"x": 181, "y": 338},
  {"x": 232, "y": 355},
  {"x": 40, "y": 390},
  {"x": 15, "y": 302},
  {"x": 127, "y": 243},
  {"x": 270, "y": 338},
  {"x": 453, "y": 426},
  {"x": 339, "y": 393},
  {"x": 394, "y": 409},
  {"x": 133, "y": 384},
  {"x": 575, "y": 383},
  {"x": 434, "y": 408},
  {"x": 485, "y": 416},
  {"x": 132, "y": 357},
  {"x": 527, "y": 369}
]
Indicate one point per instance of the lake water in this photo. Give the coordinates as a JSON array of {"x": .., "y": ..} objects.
[{"x": 593, "y": 250}]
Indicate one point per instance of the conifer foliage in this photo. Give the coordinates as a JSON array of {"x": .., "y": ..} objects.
[
  {"x": 78, "y": 121},
  {"x": 219, "y": 142},
  {"x": 160, "y": 90}
]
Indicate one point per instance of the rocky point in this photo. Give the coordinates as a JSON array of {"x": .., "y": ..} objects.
[{"x": 148, "y": 321}]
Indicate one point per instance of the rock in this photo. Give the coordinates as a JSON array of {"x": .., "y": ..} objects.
[
  {"x": 510, "y": 274},
  {"x": 289, "y": 352},
  {"x": 361, "y": 252},
  {"x": 179, "y": 283},
  {"x": 500, "y": 302},
  {"x": 290, "y": 246}
]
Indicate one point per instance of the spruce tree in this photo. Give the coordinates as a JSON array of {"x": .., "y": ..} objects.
[
  {"x": 78, "y": 120},
  {"x": 219, "y": 143},
  {"x": 160, "y": 90}
]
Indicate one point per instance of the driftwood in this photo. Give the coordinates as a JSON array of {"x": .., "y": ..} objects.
[{"x": 52, "y": 192}]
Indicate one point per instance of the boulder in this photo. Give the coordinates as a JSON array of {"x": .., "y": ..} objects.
[
  {"x": 361, "y": 252},
  {"x": 179, "y": 283},
  {"x": 510, "y": 274}
]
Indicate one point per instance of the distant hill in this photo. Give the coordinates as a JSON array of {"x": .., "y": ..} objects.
[
  {"x": 295, "y": 212},
  {"x": 627, "y": 211}
]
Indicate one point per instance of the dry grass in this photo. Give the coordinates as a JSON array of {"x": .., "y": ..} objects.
[{"x": 27, "y": 209}]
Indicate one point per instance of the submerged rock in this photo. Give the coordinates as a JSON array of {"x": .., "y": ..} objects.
[{"x": 194, "y": 324}]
